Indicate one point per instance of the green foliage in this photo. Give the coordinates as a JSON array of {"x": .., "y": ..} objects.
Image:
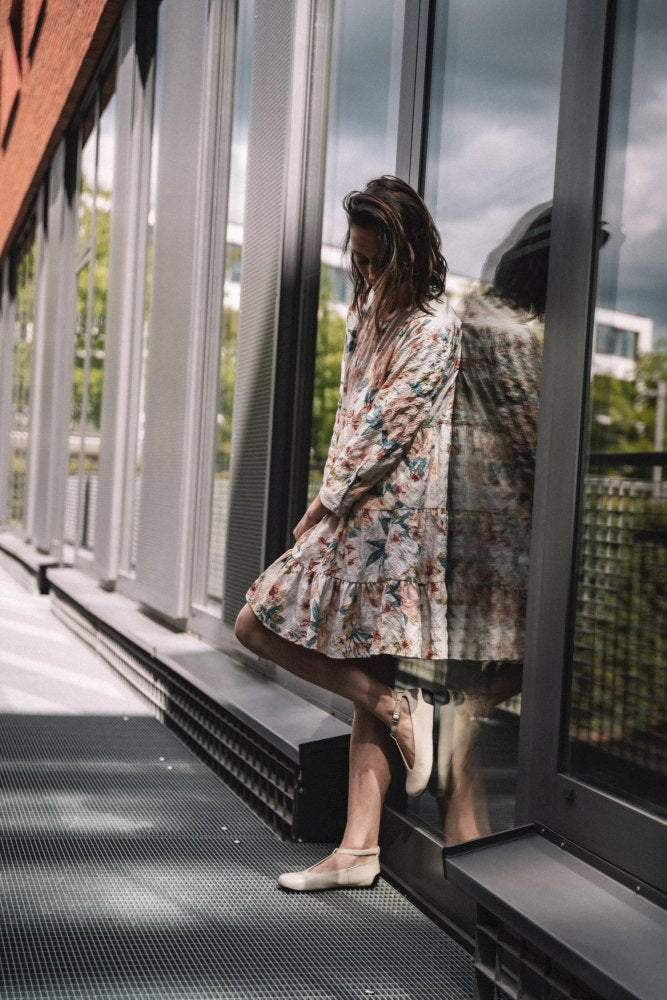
[
  {"x": 230, "y": 325},
  {"x": 624, "y": 412},
  {"x": 330, "y": 345}
]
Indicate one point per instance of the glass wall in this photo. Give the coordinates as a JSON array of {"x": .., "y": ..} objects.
[
  {"x": 361, "y": 144},
  {"x": 24, "y": 278},
  {"x": 132, "y": 502},
  {"x": 489, "y": 176},
  {"x": 97, "y": 145},
  {"x": 230, "y": 311},
  {"x": 618, "y": 681}
]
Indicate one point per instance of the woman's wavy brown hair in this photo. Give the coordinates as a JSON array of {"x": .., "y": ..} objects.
[{"x": 410, "y": 254}]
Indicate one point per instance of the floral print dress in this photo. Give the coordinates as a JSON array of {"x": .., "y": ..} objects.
[{"x": 369, "y": 578}]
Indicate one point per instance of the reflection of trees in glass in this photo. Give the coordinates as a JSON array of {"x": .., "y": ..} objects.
[
  {"x": 97, "y": 135},
  {"x": 624, "y": 411},
  {"x": 330, "y": 344},
  {"x": 230, "y": 322},
  {"x": 619, "y": 680},
  {"x": 24, "y": 312},
  {"x": 233, "y": 263}
]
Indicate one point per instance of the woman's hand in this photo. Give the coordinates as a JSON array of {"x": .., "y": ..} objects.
[{"x": 316, "y": 511}]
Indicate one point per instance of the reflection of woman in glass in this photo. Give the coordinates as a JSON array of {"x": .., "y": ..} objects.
[
  {"x": 366, "y": 579},
  {"x": 490, "y": 502}
]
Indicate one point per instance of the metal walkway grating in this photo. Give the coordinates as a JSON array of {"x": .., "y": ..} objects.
[
  {"x": 264, "y": 777},
  {"x": 129, "y": 871}
]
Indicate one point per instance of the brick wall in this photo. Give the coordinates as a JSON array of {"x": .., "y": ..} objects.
[{"x": 56, "y": 65}]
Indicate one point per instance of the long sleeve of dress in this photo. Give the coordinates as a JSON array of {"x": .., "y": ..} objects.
[{"x": 422, "y": 367}]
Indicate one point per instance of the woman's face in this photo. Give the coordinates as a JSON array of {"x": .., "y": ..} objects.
[{"x": 365, "y": 249}]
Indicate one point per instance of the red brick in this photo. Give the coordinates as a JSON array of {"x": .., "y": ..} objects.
[{"x": 56, "y": 73}]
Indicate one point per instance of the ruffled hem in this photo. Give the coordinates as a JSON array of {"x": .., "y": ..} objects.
[{"x": 345, "y": 619}]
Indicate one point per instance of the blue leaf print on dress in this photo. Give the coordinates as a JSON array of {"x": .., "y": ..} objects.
[
  {"x": 401, "y": 522},
  {"x": 379, "y": 553},
  {"x": 314, "y": 623},
  {"x": 273, "y": 614}
]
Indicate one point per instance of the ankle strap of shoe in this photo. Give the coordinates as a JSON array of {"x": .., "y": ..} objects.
[
  {"x": 358, "y": 854},
  {"x": 396, "y": 714}
]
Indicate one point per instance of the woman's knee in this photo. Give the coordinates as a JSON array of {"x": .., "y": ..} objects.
[{"x": 246, "y": 627}]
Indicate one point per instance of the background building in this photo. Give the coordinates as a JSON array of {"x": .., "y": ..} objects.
[{"x": 171, "y": 321}]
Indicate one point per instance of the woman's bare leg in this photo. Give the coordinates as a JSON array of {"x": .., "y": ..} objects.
[
  {"x": 369, "y": 685},
  {"x": 372, "y": 754},
  {"x": 347, "y": 678}
]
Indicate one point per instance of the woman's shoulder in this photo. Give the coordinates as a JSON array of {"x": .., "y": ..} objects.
[{"x": 441, "y": 318}]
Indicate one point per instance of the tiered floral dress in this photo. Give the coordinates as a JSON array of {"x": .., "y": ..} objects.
[{"x": 369, "y": 578}]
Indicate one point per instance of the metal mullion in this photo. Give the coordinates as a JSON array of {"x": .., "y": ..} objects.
[
  {"x": 88, "y": 253},
  {"x": 415, "y": 86}
]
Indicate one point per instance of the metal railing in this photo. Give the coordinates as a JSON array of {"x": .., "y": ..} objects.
[{"x": 619, "y": 675}]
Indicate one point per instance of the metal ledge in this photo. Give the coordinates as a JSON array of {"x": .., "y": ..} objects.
[
  {"x": 25, "y": 563},
  {"x": 277, "y": 714},
  {"x": 609, "y": 936}
]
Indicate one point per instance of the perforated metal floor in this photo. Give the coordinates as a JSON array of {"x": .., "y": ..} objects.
[{"x": 129, "y": 870}]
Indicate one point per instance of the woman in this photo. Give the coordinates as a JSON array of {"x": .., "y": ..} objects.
[{"x": 365, "y": 580}]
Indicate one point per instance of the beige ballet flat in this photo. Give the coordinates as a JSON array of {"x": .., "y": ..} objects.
[
  {"x": 361, "y": 876},
  {"x": 422, "y": 733}
]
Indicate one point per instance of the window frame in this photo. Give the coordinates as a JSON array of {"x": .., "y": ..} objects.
[{"x": 620, "y": 834}]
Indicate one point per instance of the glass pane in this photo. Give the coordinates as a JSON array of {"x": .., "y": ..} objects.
[
  {"x": 489, "y": 182},
  {"x": 96, "y": 344},
  {"x": 78, "y": 407},
  {"x": 98, "y": 132},
  {"x": 87, "y": 175},
  {"x": 616, "y": 733},
  {"x": 24, "y": 314},
  {"x": 361, "y": 144},
  {"x": 133, "y": 501},
  {"x": 232, "y": 289}
]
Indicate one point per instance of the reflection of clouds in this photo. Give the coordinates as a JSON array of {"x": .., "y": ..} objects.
[
  {"x": 365, "y": 89},
  {"x": 484, "y": 184},
  {"x": 494, "y": 119},
  {"x": 107, "y": 145},
  {"x": 645, "y": 202},
  {"x": 639, "y": 285},
  {"x": 242, "y": 84},
  {"x": 237, "y": 177}
]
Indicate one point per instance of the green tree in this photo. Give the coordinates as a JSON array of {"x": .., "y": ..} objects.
[
  {"x": 330, "y": 344},
  {"x": 230, "y": 325},
  {"x": 624, "y": 411}
]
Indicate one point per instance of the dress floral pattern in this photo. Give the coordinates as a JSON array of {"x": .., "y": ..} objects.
[{"x": 369, "y": 578}]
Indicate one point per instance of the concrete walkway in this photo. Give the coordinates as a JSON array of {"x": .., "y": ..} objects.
[{"x": 129, "y": 870}]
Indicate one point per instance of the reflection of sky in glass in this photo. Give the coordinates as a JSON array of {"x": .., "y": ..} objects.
[
  {"x": 635, "y": 195},
  {"x": 492, "y": 134},
  {"x": 242, "y": 82},
  {"x": 88, "y": 163},
  {"x": 157, "y": 114},
  {"x": 106, "y": 150},
  {"x": 364, "y": 99}
]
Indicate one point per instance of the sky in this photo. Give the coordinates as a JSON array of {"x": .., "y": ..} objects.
[
  {"x": 633, "y": 269},
  {"x": 492, "y": 130}
]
